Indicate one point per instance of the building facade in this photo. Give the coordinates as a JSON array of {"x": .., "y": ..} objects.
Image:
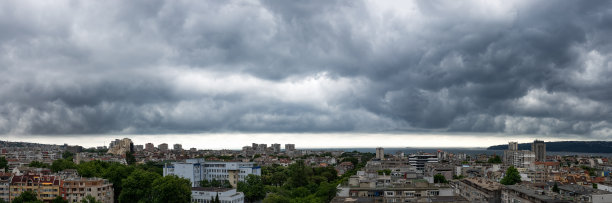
[
  {"x": 197, "y": 170},
  {"x": 76, "y": 189},
  {"x": 46, "y": 187},
  {"x": 226, "y": 195},
  {"x": 539, "y": 148}
]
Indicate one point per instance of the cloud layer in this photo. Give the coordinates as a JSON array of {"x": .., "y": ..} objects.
[{"x": 519, "y": 67}]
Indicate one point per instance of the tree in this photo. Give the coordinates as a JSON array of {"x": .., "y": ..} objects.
[
  {"x": 512, "y": 176},
  {"x": 555, "y": 188},
  {"x": 275, "y": 198},
  {"x": 439, "y": 178},
  {"x": 252, "y": 188},
  {"x": 217, "y": 199},
  {"x": 298, "y": 174},
  {"x": 171, "y": 189},
  {"x": 594, "y": 185},
  {"x": 62, "y": 164},
  {"x": 90, "y": 199},
  {"x": 38, "y": 164},
  {"x": 495, "y": 160},
  {"x": 27, "y": 197},
  {"x": 4, "y": 164},
  {"x": 67, "y": 155},
  {"x": 137, "y": 186},
  {"x": 59, "y": 199},
  {"x": 129, "y": 158}
]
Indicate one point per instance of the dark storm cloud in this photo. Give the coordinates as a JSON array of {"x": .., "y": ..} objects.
[{"x": 306, "y": 66}]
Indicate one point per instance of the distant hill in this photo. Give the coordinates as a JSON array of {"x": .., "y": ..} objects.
[{"x": 566, "y": 146}]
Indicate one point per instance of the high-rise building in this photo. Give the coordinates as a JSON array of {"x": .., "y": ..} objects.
[
  {"x": 120, "y": 147},
  {"x": 519, "y": 158},
  {"x": 276, "y": 147},
  {"x": 163, "y": 147},
  {"x": 149, "y": 147},
  {"x": 380, "y": 153},
  {"x": 419, "y": 160},
  {"x": 539, "y": 148},
  {"x": 178, "y": 147},
  {"x": 289, "y": 147},
  {"x": 513, "y": 146},
  {"x": 138, "y": 147}
]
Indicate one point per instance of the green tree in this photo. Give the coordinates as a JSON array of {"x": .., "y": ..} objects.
[
  {"x": 217, "y": 199},
  {"x": 439, "y": 178},
  {"x": 298, "y": 174},
  {"x": 67, "y": 155},
  {"x": 90, "y": 199},
  {"x": 4, "y": 164},
  {"x": 129, "y": 158},
  {"x": 171, "y": 189},
  {"x": 27, "y": 197},
  {"x": 137, "y": 186},
  {"x": 555, "y": 188},
  {"x": 495, "y": 160},
  {"x": 512, "y": 176},
  {"x": 62, "y": 164},
  {"x": 252, "y": 188},
  {"x": 594, "y": 185},
  {"x": 59, "y": 199},
  {"x": 276, "y": 198},
  {"x": 38, "y": 164}
]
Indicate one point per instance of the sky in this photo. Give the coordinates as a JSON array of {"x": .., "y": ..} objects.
[{"x": 317, "y": 73}]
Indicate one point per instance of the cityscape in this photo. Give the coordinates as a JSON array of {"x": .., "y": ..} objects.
[
  {"x": 305, "y": 101},
  {"x": 144, "y": 172}
]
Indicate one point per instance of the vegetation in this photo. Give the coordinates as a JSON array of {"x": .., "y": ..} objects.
[
  {"x": 27, "y": 197},
  {"x": 38, "y": 164},
  {"x": 216, "y": 183},
  {"x": 171, "y": 189},
  {"x": 512, "y": 176},
  {"x": 594, "y": 185},
  {"x": 556, "y": 188},
  {"x": 495, "y": 160},
  {"x": 590, "y": 170},
  {"x": 385, "y": 172},
  {"x": 458, "y": 176},
  {"x": 253, "y": 188},
  {"x": 4, "y": 163},
  {"x": 67, "y": 155},
  {"x": 137, "y": 186},
  {"x": 439, "y": 178},
  {"x": 59, "y": 199}
]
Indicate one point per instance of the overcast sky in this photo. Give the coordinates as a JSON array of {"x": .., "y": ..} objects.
[{"x": 541, "y": 68}]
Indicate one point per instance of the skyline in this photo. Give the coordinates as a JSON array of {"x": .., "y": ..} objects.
[{"x": 348, "y": 73}]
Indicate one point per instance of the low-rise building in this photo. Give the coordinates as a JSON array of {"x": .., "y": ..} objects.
[
  {"x": 197, "y": 170},
  {"x": 45, "y": 186},
  {"x": 527, "y": 194},
  {"x": 5, "y": 182},
  {"x": 76, "y": 189},
  {"x": 226, "y": 195},
  {"x": 478, "y": 190},
  {"x": 586, "y": 194}
]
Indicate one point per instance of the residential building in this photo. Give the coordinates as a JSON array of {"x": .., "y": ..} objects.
[
  {"x": 138, "y": 147},
  {"x": 76, "y": 189},
  {"x": 539, "y": 148},
  {"x": 197, "y": 170},
  {"x": 478, "y": 190},
  {"x": 519, "y": 158},
  {"x": 586, "y": 193},
  {"x": 120, "y": 147},
  {"x": 380, "y": 153},
  {"x": 276, "y": 148},
  {"x": 226, "y": 195},
  {"x": 289, "y": 147},
  {"x": 419, "y": 160},
  {"x": 150, "y": 147},
  {"x": 177, "y": 147},
  {"x": 163, "y": 147},
  {"x": 528, "y": 194},
  {"x": 513, "y": 146},
  {"x": 5, "y": 182},
  {"x": 46, "y": 187}
]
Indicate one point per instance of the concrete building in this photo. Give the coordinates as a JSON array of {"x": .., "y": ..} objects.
[
  {"x": 46, "y": 187},
  {"x": 382, "y": 189},
  {"x": 226, "y": 195},
  {"x": 120, "y": 147},
  {"x": 5, "y": 182},
  {"x": 380, "y": 153},
  {"x": 586, "y": 194},
  {"x": 276, "y": 148},
  {"x": 478, "y": 190},
  {"x": 150, "y": 147},
  {"x": 539, "y": 148},
  {"x": 138, "y": 148},
  {"x": 177, "y": 147},
  {"x": 519, "y": 158},
  {"x": 76, "y": 189},
  {"x": 527, "y": 194},
  {"x": 197, "y": 170},
  {"x": 162, "y": 147},
  {"x": 513, "y": 146},
  {"x": 419, "y": 160},
  {"x": 289, "y": 147}
]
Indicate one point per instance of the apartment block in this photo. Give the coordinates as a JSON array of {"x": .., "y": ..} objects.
[
  {"x": 76, "y": 189},
  {"x": 478, "y": 190},
  {"x": 197, "y": 170},
  {"x": 226, "y": 195},
  {"x": 46, "y": 187}
]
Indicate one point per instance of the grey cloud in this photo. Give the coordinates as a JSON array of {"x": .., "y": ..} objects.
[{"x": 107, "y": 67}]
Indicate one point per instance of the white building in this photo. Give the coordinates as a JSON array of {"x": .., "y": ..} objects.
[
  {"x": 197, "y": 170},
  {"x": 226, "y": 195}
]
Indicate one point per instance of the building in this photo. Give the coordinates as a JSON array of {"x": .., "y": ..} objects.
[
  {"x": 226, "y": 195},
  {"x": 539, "y": 148},
  {"x": 120, "y": 147},
  {"x": 177, "y": 147},
  {"x": 162, "y": 147},
  {"x": 419, "y": 160},
  {"x": 289, "y": 147},
  {"x": 527, "y": 194},
  {"x": 519, "y": 158},
  {"x": 380, "y": 153},
  {"x": 276, "y": 148},
  {"x": 586, "y": 193},
  {"x": 150, "y": 147},
  {"x": 513, "y": 146},
  {"x": 76, "y": 189},
  {"x": 478, "y": 190},
  {"x": 46, "y": 187},
  {"x": 383, "y": 189},
  {"x": 138, "y": 147},
  {"x": 197, "y": 170},
  {"x": 5, "y": 182}
]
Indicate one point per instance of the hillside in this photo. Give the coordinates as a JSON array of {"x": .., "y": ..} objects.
[{"x": 566, "y": 146}]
